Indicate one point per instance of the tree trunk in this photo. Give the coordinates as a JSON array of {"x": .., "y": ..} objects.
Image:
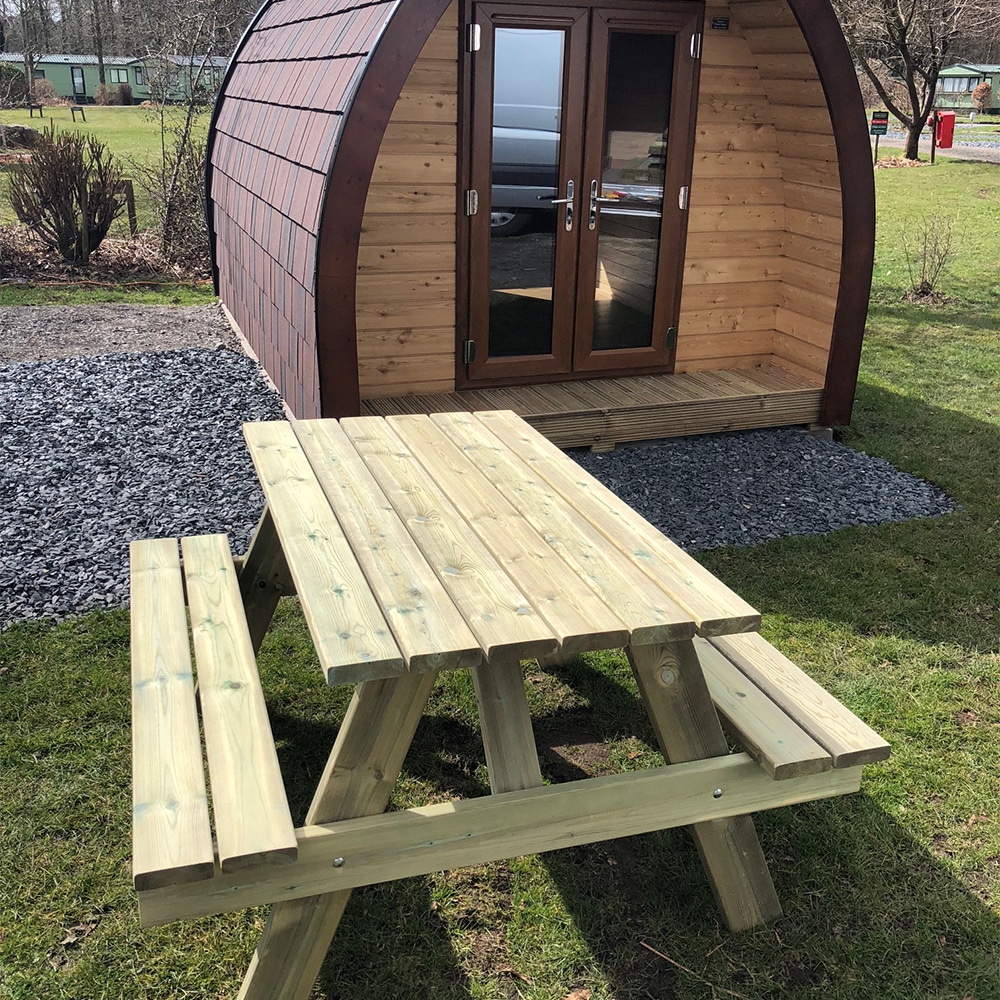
[{"x": 913, "y": 141}]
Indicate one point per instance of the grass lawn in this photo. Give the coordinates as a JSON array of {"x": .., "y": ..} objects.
[
  {"x": 892, "y": 894},
  {"x": 132, "y": 134}
]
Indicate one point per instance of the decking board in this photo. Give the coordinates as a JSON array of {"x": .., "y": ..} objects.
[{"x": 611, "y": 411}]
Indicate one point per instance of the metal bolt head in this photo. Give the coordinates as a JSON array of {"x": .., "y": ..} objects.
[
  {"x": 667, "y": 676},
  {"x": 717, "y": 794},
  {"x": 338, "y": 862}
]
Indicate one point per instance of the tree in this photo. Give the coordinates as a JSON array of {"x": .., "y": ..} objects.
[
  {"x": 912, "y": 41},
  {"x": 981, "y": 97}
]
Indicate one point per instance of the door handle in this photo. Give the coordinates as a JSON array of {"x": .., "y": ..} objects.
[
  {"x": 567, "y": 201},
  {"x": 592, "y": 219}
]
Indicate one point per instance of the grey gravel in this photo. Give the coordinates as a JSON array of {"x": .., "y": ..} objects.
[
  {"x": 749, "y": 487},
  {"x": 96, "y": 451}
]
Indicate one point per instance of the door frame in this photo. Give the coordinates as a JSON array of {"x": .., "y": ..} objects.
[{"x": 689, "y": 17}]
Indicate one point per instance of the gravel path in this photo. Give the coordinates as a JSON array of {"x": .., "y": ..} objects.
[{"x": 97, "y": 450}]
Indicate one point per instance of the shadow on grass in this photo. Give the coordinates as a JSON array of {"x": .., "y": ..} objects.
[{"x": 869, "y": 911}]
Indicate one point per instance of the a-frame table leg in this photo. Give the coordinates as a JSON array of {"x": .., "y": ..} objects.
[
  {"x": 505, "y": 720},
  {"x": 358, "y": 780},
  {"x": 264, "y": 578},
  {"x": 687, "y": 726}
]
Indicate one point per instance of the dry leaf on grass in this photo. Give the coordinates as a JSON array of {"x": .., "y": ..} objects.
[{"x": 581, "y": 993}]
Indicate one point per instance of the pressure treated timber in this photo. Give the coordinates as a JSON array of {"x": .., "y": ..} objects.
[
  {"x": 715, "y": 609},
  {"x": 353, "y": 641},
  {"x": 835, "y": 727},
  {"x": 172, "y": 837},
  {"x": 497, "y": 611},
  {"x": 392, "y": 564},
  {"x": 474, "y": 831},
  {"x": 593, "y": 568},
  {"x": 252, "y": 823},
  {"x": 770, "y": 736},
  {"x": 648, "y": 406}
]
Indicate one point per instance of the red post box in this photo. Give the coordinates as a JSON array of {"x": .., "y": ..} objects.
[{"x": 945, "y": 128}]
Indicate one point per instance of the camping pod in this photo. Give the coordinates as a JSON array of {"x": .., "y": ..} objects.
[{"x": 623, "y": 220}]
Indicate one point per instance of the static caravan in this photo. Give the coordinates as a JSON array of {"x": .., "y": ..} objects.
[
  {"x": 956, "y": 84},
  {"x": 623, "y": 220},
  {"x": 74, "y": 76}
]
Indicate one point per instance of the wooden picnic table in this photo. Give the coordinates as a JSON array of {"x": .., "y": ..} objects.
[{"x": 418, "y": 544}]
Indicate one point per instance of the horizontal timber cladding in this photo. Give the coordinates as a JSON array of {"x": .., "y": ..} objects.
[
  {"x": 406, "y": 257},
  {"x": 811, "y": 183},
  {"x": 736, "y": 228},
  {"x": 274, "y": 134}
]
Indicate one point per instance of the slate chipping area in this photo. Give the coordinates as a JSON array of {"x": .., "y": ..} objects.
[
  {"x": 748, "y": 487},
  {"x": 96, "y": 451}
]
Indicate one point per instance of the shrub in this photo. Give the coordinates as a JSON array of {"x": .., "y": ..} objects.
[
  {"x": 125, "y": 93},
  {"x": 69, "y": 192},
  {"x": 44, "y": 92},
  {"x": 981, "y": 96},
  {"x": 12, "y": 88},
  {"x": 102, "y": 95},
  {"x": 927, "y": 256}
]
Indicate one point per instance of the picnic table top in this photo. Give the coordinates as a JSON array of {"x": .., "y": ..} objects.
[{"x": 445, "y": 539}]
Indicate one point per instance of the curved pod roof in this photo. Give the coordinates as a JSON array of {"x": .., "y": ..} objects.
[{"x": 295, "y": 135}]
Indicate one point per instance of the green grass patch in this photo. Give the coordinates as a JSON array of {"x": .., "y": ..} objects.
[
  {"x": 132, "y": 134},
  {"x": 892, "y": 894},
  {"x": 152, "y": 293}
]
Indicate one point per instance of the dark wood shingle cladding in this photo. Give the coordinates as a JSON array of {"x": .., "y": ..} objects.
[{"x": 275, "y": 130}]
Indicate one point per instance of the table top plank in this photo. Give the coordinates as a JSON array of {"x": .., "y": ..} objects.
[
  {"x": 499, "y": 614},
  {"x": 645, "y": 607},
  {"x": 429, "y": 629},
  {"x": 252, "y": 823},
  {"x": 716, "y": 609},
  {"x": 172, "y": 835},
  {"x": 580, "y": 619},
  {"x": 353, "y": 641}
]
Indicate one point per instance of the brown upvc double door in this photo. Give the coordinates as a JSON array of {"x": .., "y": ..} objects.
[{"x": 580, "y": 158}]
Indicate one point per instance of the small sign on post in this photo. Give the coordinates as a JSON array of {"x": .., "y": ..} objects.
[{"x": 879, "y": 126}]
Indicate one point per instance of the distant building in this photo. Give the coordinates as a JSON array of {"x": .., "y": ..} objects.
[
  {"x": 171, "y": 77},
  {"x": 956, "y": 84},
  {"x": 75, "y": 77}
]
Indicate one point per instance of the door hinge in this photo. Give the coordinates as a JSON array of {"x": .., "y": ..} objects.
[
  {"x": 473, "y": 38},
  {"x": 671, "y": 338},
  {"x": 471, "y": 201},
  {"x": 683, "y": 197},
  {"x": 696, "y": 45},
  {"x": 468, "y": 352}
]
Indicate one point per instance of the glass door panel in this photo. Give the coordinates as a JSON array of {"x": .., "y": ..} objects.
[
  {"x": 526, "y": 156},
  {"x": 629, "y": 202},
  {"x": 528, "y": 78}
]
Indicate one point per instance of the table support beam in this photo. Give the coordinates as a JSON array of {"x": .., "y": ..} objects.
[
  {"x": 358, "y": 780},
  {"x": 264, "y": 578},
  {"x": 687, "y": 727}
]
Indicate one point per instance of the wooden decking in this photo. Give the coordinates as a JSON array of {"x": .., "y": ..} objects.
[{"x": 603, "y": 412}]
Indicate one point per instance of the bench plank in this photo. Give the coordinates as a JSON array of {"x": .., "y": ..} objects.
[
  {"x": 832, "y": 725},
  {"x": 780, "y": 746},
  {"x": 431, "y": 633},
  {"x": 352, "y": 639},
  {"x": 580, "y": 619},
  {"x": 172, "y": 837},
  {"x": 715, "y": 608},
  {"x": 252, "y": 823},
  {"x": 499, "y": 614},
  {"x": 640, "y": 602}
]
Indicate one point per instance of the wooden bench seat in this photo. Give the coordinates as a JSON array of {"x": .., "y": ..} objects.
[
  {"x": 172, "y": 837},
  {"x": 785, "y": 720}
]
